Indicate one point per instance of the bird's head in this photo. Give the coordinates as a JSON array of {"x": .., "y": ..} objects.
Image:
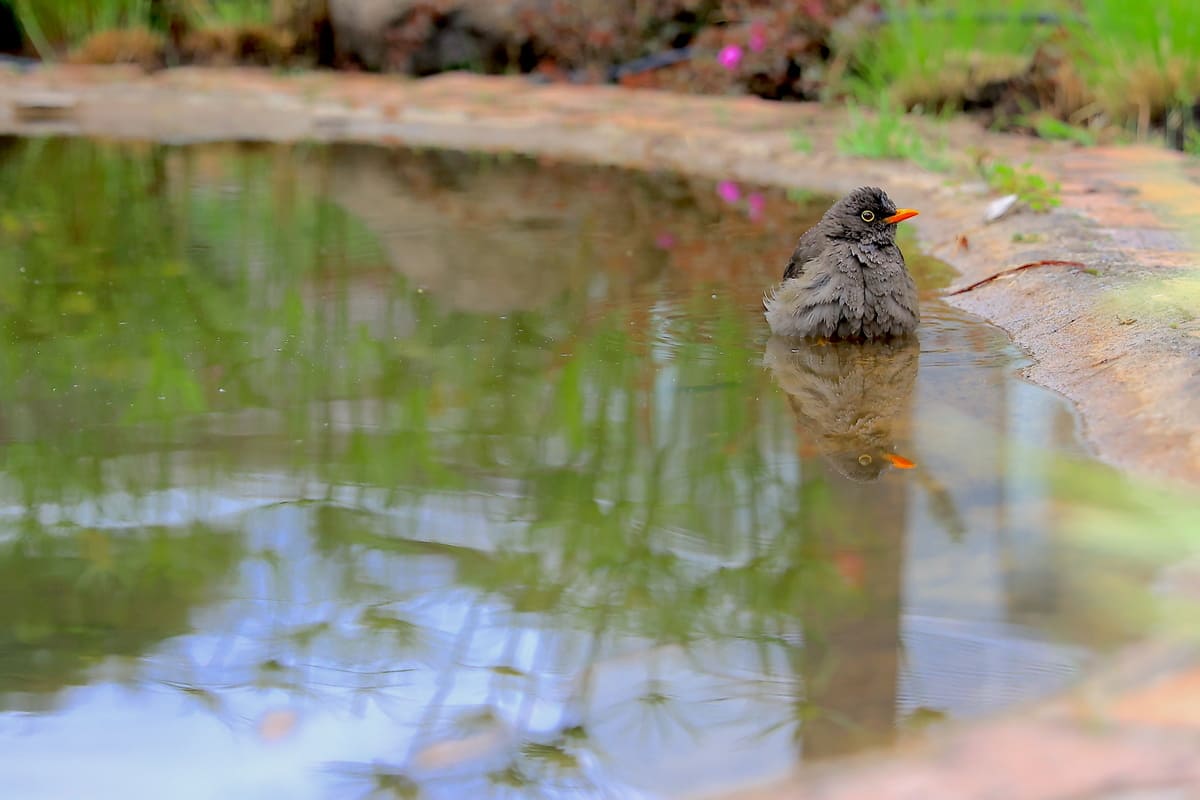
[{"x": 866, "y": 215}]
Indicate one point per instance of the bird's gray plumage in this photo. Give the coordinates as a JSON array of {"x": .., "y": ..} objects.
[{"x": 847, "y": 278}]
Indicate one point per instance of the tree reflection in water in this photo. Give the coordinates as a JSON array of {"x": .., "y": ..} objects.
[{"x": 469, "y": 465}]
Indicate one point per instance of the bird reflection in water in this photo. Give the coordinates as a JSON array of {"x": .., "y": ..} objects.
[
  {"x": 853, "y": 406},
  {"x": 852, "y": 401}
]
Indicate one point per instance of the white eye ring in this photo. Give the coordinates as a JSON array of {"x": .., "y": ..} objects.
[{"x": 868, "y": 216}]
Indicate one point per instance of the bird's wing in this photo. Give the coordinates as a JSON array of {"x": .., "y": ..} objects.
[{"x": 808, "y": 248}]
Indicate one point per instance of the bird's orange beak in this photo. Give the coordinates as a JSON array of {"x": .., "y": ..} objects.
[{"x": 901, "y": 215}]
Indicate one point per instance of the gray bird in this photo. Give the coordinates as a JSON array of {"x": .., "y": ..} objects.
[{"x": 847, "y": 279}]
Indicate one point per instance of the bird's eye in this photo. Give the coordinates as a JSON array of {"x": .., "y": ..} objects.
[{"x": 868, "y": 216}]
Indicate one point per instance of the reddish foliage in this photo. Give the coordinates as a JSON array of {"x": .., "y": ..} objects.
[{"x": 783, "y": 42}]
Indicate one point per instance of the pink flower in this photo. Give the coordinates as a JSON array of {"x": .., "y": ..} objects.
[
  {"x": 665, "y": 240},
  {"x": 756, "y": 206},
  {"x": 729, "y": 191},
  {"x": 730, "y": 57},
  {"x": 758, "y": 37}
]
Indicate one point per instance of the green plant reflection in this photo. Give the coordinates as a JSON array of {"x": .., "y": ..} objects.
[{"x": 490, "y": 458}]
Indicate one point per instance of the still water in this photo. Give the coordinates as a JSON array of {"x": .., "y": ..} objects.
[{"x": 365, "y": 473}]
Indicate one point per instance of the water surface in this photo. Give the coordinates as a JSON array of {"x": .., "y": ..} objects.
[{"x": 363, "y": 473}]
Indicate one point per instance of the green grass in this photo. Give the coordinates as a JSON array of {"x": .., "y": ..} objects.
[
  {"x": 1140, "y": 60},
  {"x": 1125, "y": 65},
  {"x": 55, "y": 25},
  {"x": 801, "y": 141},
  {"x": 51, "y": 24},
  {"x": 1031, "y": 187},
  {"x": 1191, "y": 143},
  {"x": 807, "y": 198},
  {"x": 1048, "y": 127},
  {"x": 886, "y": 133},
  {"x": 932, "y": 54},
  {"x": 236, "y": 12}
]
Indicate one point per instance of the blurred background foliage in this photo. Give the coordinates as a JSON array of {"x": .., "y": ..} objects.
[{"x": 1048, "y": 67}]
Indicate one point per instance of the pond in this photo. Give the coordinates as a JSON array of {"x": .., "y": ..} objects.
[{"x": 365, "y": 472}]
